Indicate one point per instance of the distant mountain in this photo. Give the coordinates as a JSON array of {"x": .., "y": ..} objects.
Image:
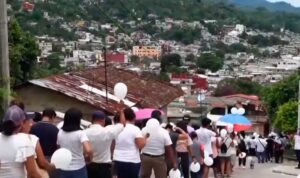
[{"x": 277, "y": 6}]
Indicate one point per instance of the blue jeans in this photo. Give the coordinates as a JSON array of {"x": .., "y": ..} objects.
[
  {"x": 127, "y": 170},
  {"x": 80, "y": 173},
  {"x": 261, "y": 157}
]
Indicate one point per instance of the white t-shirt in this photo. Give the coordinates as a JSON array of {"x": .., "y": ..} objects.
[
  {"x": 101, "y": 139},
  {"x": 14, "y": 151},
  {"x": 73, "y": 142},
  {"x": 126, "y": 149},
  {"x": 204, "y": 138},
  {"x": 260, "y": 145},
  {"x": 227, "y": 140},
  {"x": 155, "y": 144},
  {"x": 33, "y": 139},
  {"x": 253, "y": 143},
  {"x": 297, "y": 142}
]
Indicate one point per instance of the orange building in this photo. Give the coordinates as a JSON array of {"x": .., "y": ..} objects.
[{"x": 147, "y": 51}]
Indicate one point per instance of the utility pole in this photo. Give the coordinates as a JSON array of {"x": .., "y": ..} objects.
[
  {"x": 299, "y": 106},
  {"x": 5, "y": 78}
]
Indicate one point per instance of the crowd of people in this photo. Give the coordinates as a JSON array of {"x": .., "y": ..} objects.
[{"x": 125, "y": 148}]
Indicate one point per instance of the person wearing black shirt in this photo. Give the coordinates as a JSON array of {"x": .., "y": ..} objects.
[{"x": 47, "y": 132}]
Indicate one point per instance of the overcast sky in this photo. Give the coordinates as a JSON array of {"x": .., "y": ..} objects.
[{"x": 293, "y": 2}]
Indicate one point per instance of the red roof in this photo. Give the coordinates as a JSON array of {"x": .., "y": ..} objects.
[
  {"x": 28, "y": 6},
  {"x": 116, "y": 57},
  {"x": 144, "y": 90}
]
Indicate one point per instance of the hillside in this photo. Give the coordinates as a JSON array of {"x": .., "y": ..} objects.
[
  {"x": 119, "y": 11},
  {"x": 278, "y": 6}
]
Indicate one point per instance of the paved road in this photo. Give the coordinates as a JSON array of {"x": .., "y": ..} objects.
[{"x": 260, "y": 171}]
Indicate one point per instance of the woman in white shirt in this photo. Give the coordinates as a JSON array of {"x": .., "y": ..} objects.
[
  {"x": 297, "y": 147},
  {"x": 74, "y": 139},
  {"x": 17, "y": 156},
  {"x": 127, "y": 149}
]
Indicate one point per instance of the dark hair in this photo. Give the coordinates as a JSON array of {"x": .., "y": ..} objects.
[
  {"x": 193, "y": 135},
  {"x": 72, "y": 120},
  {"x": 205, "y": 122},
  {"x": 182, "y": 125},
  {"x": 169, "y": 126},
  {"x": 156, "y": 114},
  {"x": 116, "y": 118},
  {"x": 107, "y": 122},
  {"x": 49, "y": 112},
  {"x": 37, "y": 117},
  {"x": 17, "y": 103},
  {"x": 8, "y": 127},
  {"x": 129, "y": 114}
]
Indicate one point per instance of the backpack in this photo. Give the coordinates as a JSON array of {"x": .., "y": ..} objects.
[{"x": 223, "y": 147}]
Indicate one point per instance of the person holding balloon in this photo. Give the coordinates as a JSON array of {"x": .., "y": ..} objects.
[
  {"x": 127, "y": 148},
  {"x": 205, "y": 138},
  {"x": 225, "y": 144},
  {"x": 101, "y": 138},
  {"x": 72, "y": 138},
  {"x": 17, "y": 156}
]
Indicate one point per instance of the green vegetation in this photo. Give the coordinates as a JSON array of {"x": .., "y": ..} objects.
[
  {"x": 23, "y": 52},
  {"x": 286, "y": 117},
  {"x": 170, "y": 62},
  {"x": 109, "y": 11},
  {"x": 262, "y": 41},
  {"x": 234, "y": 86},
  {"x": 280, "y": 93},
  {"x": 210, "y": 61},
  {"x": 184, "y": 35}
]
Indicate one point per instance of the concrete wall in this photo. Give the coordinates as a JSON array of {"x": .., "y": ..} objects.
[{"x": 37, "y": 98}]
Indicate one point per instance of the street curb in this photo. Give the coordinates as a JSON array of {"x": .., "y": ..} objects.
[{"x": 285, "y": 173}]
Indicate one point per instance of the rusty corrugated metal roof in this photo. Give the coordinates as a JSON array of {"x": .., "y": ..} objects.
[{"x": 144, "y": 90}]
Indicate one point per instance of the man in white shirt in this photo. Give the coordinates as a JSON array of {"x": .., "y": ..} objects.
[
  {"x": 204, "y": 137},
  {"x": 153, "y": 154},
  {"x": 101, "y": 139},
  {"x": 260, "y": 149}
]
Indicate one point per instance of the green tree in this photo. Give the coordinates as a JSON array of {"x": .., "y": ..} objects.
[
  {"x": 134, "y": 59},
  {"x": 282, "y": 92},
  {"x": 286, "y": 117},
  {"x": 210, "y": 61},
  {"x": 23, "y": 53},
  {"x": 53, "y": 61},
  {"x": 168, "y": 60},
  {"x": 233, "y": 86},
  {"x": 190, "y": 58}
]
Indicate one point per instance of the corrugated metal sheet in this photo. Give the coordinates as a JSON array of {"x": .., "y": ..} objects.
[{"x": 144, "y": 90}]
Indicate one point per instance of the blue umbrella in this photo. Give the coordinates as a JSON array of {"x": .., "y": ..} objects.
[{"x": 235, "y": 119}]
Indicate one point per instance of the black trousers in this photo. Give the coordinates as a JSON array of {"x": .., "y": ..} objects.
[
  {"x": 242, "y": 161},
  {"x": 278, "y": 154},
  {"x": 298, "y": 157},
  {"x": 184, "y": 163},
  {"x": 99, "y": 170}
]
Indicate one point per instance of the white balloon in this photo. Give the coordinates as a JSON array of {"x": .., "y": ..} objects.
[
  {"x": 135, "y": 109},
  {"x": 234, "y": 110},
  {"x": 195, "y": 167},
  {"x": 174, "y": 173},
  {"x": 61, "y": 158},
  {"x": 208, "y": 161},
  {"x": 230, "y": 128},
  {"x": 223, "y": 133},
  {"x": 241, "y": 111},
  {"x": 206, "y": 154},
  {"x": 120, "y": 90},
  {"x": 242, "y": 155}
]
